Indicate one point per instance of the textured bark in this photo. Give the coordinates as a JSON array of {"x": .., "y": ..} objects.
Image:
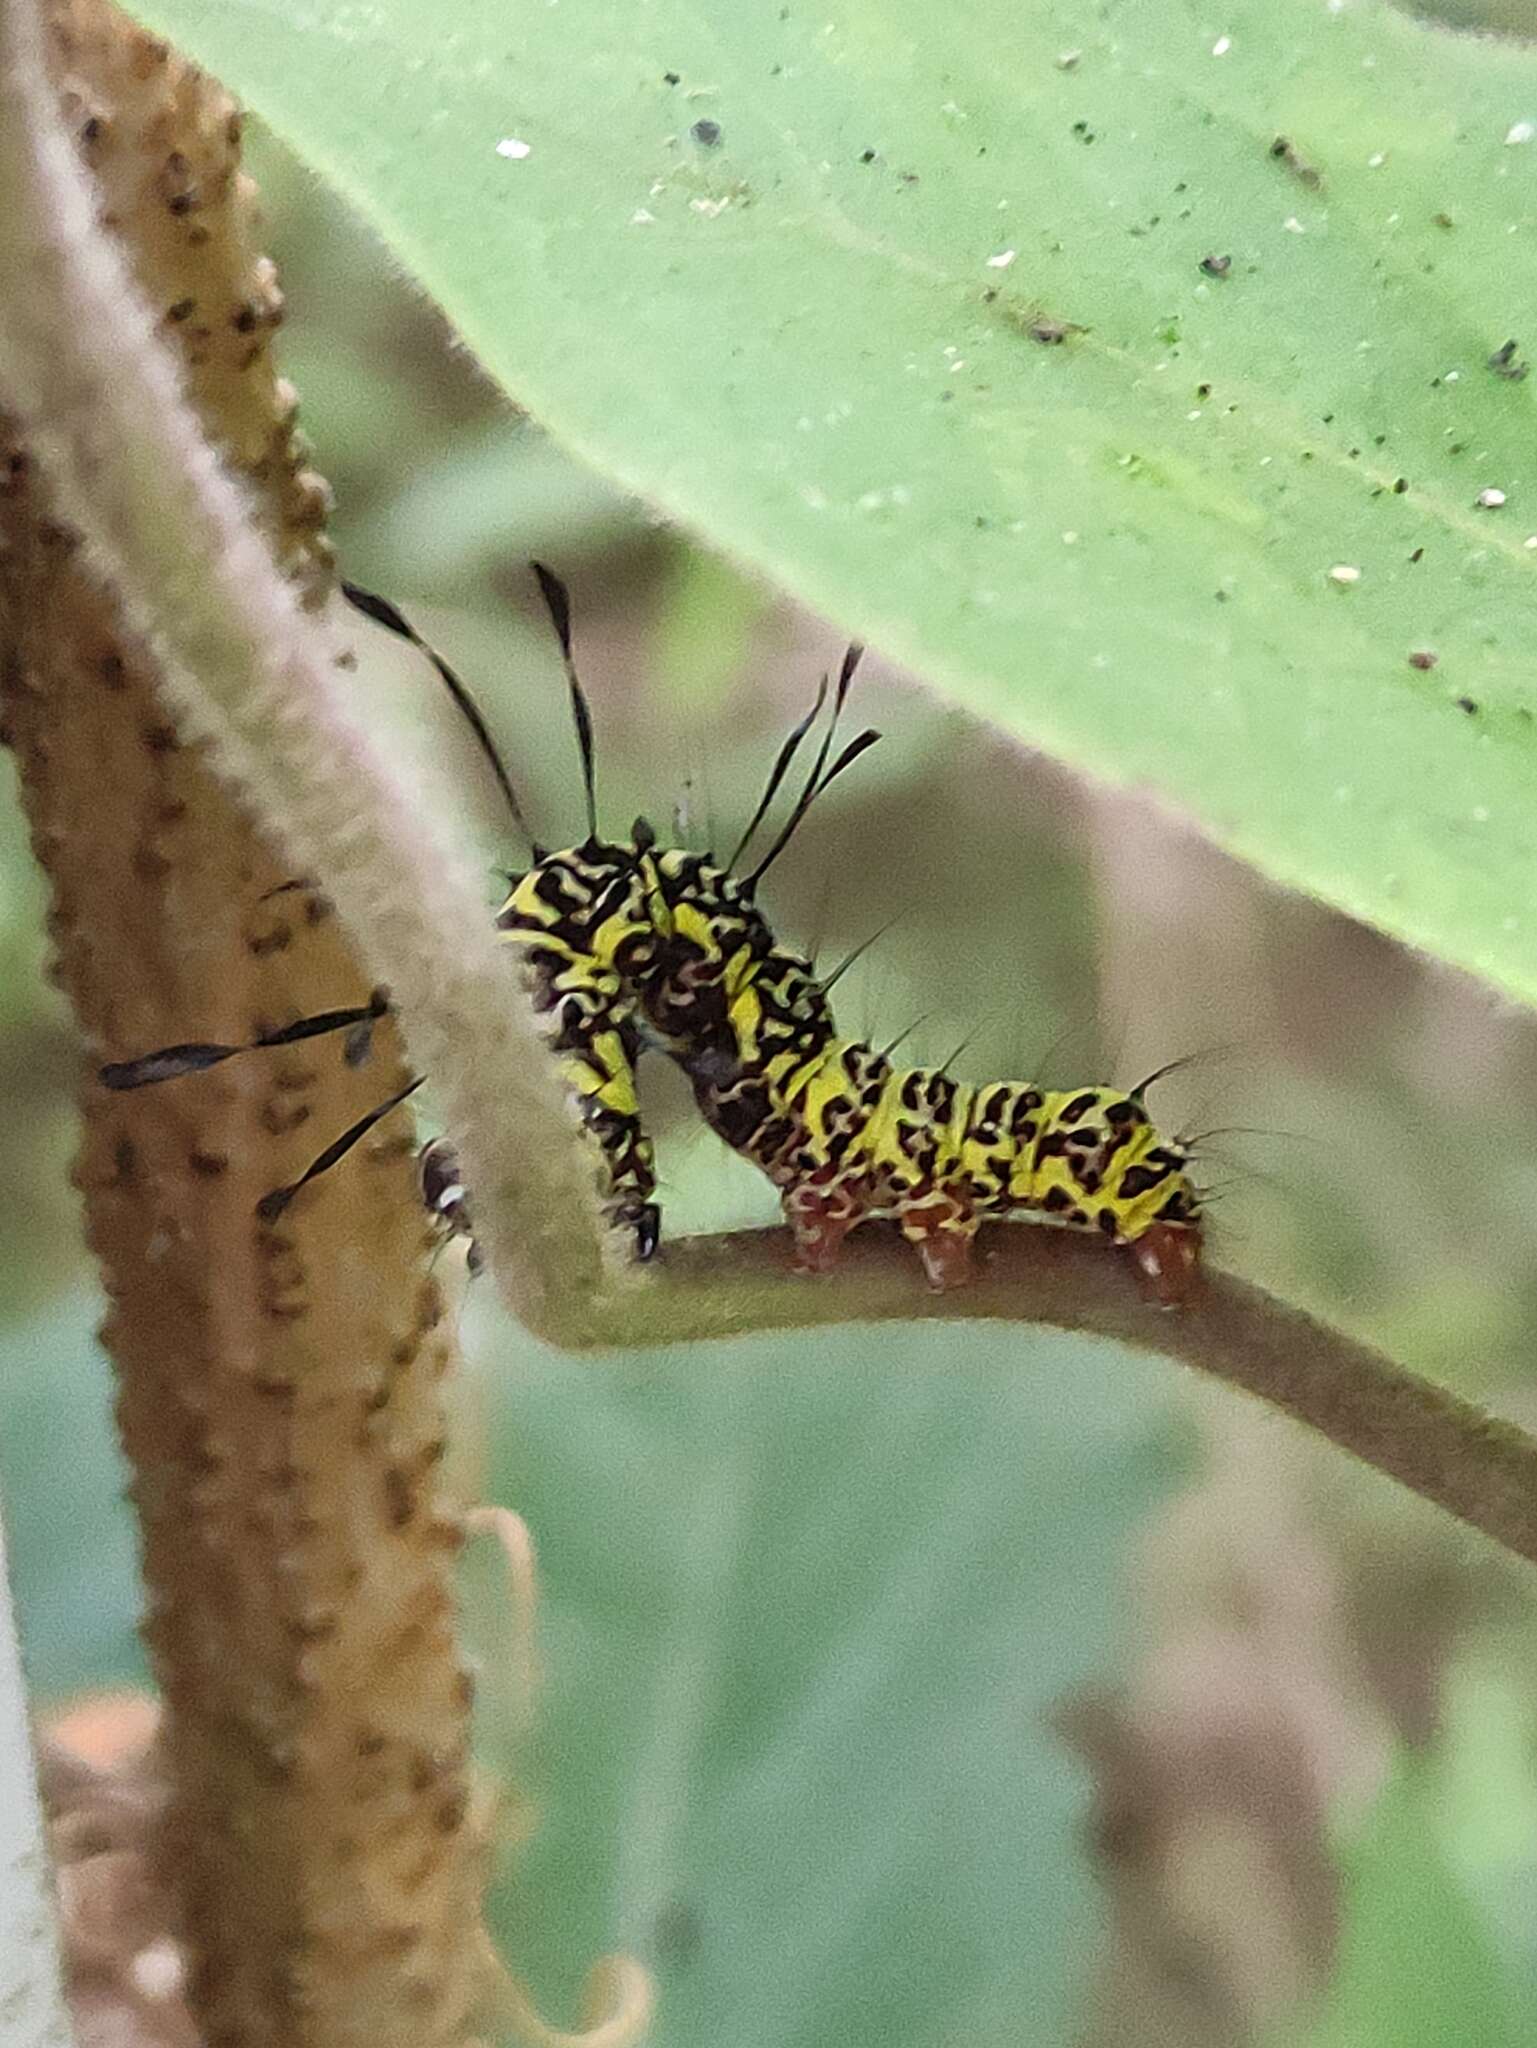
[{"x": 279, "y": 1388}]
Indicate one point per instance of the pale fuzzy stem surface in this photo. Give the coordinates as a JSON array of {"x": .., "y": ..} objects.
[
  {"x": 32, "y": 2011},
  {"x": 247, "y": 671}
]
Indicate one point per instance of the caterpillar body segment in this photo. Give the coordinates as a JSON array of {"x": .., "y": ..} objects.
[
  {"x": 627, "y": 944},
  {"x": 619, "y": 933},
  {"x": 582, "y": 921},
  {"x": 846, "y": 1136}
]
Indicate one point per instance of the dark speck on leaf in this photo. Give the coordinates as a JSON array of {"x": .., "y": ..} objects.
[
  {"x": 1417, "y": 555},
  {"x": 908, "y": 177},
  {"x": 867, "y": 156},
  {"x": 1050, "y": 332},
  {"x": 706, "y": 133},
  {"x": 1468, "y": 704},
  {"x": 672, "y": 78},
  {"x": 1505, "y": 363},
  {"x": 1442, "y": 220},
  {"x": 1216, "y": 266},
  {"x": 1305, "y": 173},
  {"x": 1423, "y": 659},
  {"x": 1400, "y": 484}
]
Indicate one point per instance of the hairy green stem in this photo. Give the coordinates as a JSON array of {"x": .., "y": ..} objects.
[
  {"x": 248, "y": 672},
  {"x": 1476, "y": 1466}
]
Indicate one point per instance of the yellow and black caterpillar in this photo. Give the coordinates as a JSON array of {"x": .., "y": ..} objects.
[{"x": 629, "y": 944}]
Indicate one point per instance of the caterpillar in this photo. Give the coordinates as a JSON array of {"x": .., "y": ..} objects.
[{"x": 629, "y": 944}]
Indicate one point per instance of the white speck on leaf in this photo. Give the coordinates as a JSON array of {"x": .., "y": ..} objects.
[
  {"x": 1490, "y": 500},
  {"x": 641, "y": 217},
  {"x": 1376, "y": 161},
  {"x": 1002, "y": 260},
  {"x": 1293, "y": 226},
  {"x": 1344, "y": 573},
  {"x": 1519, "y": 132},
  {"x": 1480, "y": 814},
  {"x": 1221, "y": 46},
  {"x": 1067, "y": 59},
  {"x": 510, "y": 146}
]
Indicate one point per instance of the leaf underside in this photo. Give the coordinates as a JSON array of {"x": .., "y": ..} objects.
[{"x": 821, "y": 331}]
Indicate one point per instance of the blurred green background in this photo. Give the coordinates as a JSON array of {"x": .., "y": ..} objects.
[{"x": 942, "y": 1684}]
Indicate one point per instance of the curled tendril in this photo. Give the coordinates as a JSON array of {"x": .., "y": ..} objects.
[
  {"x": 617, "y": 2002},
  {"x": 617, "y": 1997},
  {"x": 514, "y": 1539}
]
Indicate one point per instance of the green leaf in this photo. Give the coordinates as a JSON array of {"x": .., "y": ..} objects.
[
  {"x": 806, "y": 333},
  {"x": 806, "y": 1605},
  {"x": 1416, "y": 1967},
  {"x": 69, "y": 1532}
]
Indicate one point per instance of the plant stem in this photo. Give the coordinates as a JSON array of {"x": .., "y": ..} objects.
[
  {"x": 279, "y": 1390},
  {"x": 31, "y": 1991},
  {"x": 248, "y": 672},
  {"x": 1476, "y": 1466}
]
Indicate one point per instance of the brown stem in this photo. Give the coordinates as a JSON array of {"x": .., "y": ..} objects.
[
  {"x": 244, "y": 669},
  {"x": 1476, "y": 1466},
  {"x": 279, "y": 1389}
]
